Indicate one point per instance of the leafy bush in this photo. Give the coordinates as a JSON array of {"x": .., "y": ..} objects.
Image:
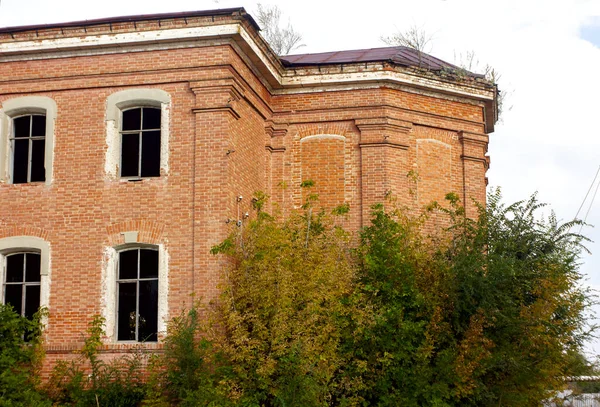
[
  {"x": 483, "y": 313},
  {"x": 20, "y": 357},
  {"x": 488, "y": 311},
  {"x": 88, "y": 381}
]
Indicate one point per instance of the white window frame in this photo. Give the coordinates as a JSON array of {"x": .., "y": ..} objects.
[
  {"x": 31, "y": 244},
  {"x": 128, "y": 99},
  {"x": 109, "y": 305},
  {"x": 26, "y": 105}
]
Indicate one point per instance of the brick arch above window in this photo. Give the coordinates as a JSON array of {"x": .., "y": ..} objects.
[
  {"x": 342, "y": 128},
  {"x": 22, "y": 107},
  {"x": 13, "y": 229},
  {"x": 125, "y": 100},
  {"x": 135, "y": 231}
]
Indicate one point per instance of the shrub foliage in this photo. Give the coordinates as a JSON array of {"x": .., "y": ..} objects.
[{"x": 485, "y": 312}]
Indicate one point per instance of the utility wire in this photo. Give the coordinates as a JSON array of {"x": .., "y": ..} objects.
[
  {"x": 590, "y": 207},
  {"x": 591, "y": 202},
  {"x": 588, "y": 192}
]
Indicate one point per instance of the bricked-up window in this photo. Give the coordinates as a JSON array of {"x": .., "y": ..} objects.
[
  {"x": 22, "y": 282},
  {"x": 140, "y": 142},
  {"x": 137, "y": 295},
  {"x": 28, "y": 144}
]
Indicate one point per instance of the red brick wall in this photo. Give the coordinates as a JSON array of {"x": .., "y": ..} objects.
[{"x": 230, "y": 136}]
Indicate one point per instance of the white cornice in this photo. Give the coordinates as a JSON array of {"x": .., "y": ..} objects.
[
  {"x": 103, "y": 40},
  {"x": 292, "y": 83},
  {"x": 283, "y": 82}
]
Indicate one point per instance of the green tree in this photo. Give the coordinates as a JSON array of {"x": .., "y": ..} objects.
[
  {"x": 483, "y": 313},
  {"x": 280, "y": 309}
]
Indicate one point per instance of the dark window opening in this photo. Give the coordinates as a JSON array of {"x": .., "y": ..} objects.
[
  {"x": 137, "y": 295},
  {"x": 28, "y": 143},
  {"x": 22, "y": 283},
  {"x": 140, "y": 142}
]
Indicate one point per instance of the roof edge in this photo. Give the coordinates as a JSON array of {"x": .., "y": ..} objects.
[{"x": 140, "y": 17}]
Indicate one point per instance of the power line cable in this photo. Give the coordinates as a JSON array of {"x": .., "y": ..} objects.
[
  {"x": 590, "y": 207},
  {"x": 588, "y": 192}
]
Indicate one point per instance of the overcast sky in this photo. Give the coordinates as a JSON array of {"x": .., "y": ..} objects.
[{"x": 548, "y": 52}]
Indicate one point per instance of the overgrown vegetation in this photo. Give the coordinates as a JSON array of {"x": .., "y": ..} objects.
[
  {"x": 90, "y": 381},
  {"x": 487, "y": 312},
  {"x": 20, "y": 357}
]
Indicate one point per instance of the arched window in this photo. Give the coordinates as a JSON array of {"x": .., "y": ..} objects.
[
  {"x": 137, "y": 125},
  {"x": 22, "y": 282},
  {"x": 25, "y": 273},
  {"x": 137, "y": 295},
  {"x": 140, "y": 142},
  {"x": 27, "y": 139},
  {"x": 135, "y": 291}
]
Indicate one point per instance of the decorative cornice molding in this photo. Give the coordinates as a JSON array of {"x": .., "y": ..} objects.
[
  {"x": 383, "y": 124},
  {"x": 217, "y": 95},
  {"x": 280, "y": 80},
  {"x": 474, "y": 138},
  {"x": 275, "y": 149},
  {"x": 276, "y": 129},
  {"x": 383, "y": 144}
]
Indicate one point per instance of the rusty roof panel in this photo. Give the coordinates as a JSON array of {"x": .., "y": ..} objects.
[
  {"x": 141, "y": 17},
  {"x": 399, "y": 55}
]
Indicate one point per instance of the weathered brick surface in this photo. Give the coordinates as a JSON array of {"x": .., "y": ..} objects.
[{"x": 230, "y": 135}]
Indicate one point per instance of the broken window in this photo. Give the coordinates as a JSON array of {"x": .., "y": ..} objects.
[
  {"x": 22, "y": 282},
  {"x": 28, "y": 143},
  {"x": 140, "y": 142},
  {"x": 137, "y": 295}
]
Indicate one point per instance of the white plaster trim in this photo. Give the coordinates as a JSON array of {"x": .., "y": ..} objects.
[
  {"x": 108, "y": 292},
  {"x": 244, "y": 34},
  {"x": 130, "y": 237},
  {"x": 24, "y": 105},
  {"x": 77, "y": 43},
  {"x": 294, "y": 82},
  {"x": 323, "y": 136},
  {"x": 108, "y": 298},
  {"x": 23, "y": 244}
]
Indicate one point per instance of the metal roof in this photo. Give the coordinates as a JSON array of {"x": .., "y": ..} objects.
[
  {"x": 399, "y": 55},
  {"x": 140, "y": 17}
]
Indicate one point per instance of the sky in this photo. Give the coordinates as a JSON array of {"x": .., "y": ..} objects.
[{"x": 547, "y": 52}]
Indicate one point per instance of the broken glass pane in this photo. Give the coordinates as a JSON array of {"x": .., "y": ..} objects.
[
  {"x": 128, "y": 264},
  {"x": 132, "y": 119},
  {"x": 32, "y": 267},
  {"x": 148, "y": 322},
  {"x": 32, "y": 300},
  {"x": 13, "y": 295},
  {"x": 151, "y": 118},
  {"x": 38, "y": 126},
  {"x": 151, "y": 154},
  {"x": 38, "y": 149},
  {"x": 21, "y": 126},
  {"x": 130, "y": 155},
  {"x": 14, "y": 267},
  {"x": 126, "y": 313},
  {"x": 20, "y": 161},
  {"x": 148, "y": 263}
]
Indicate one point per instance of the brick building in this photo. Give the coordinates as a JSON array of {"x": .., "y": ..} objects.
[{"x": 129, "y": 146}]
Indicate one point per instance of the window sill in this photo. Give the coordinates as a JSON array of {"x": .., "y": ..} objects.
[
  {"x": 137, "y": 179},
  {"x": 116, "y": 347}
]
